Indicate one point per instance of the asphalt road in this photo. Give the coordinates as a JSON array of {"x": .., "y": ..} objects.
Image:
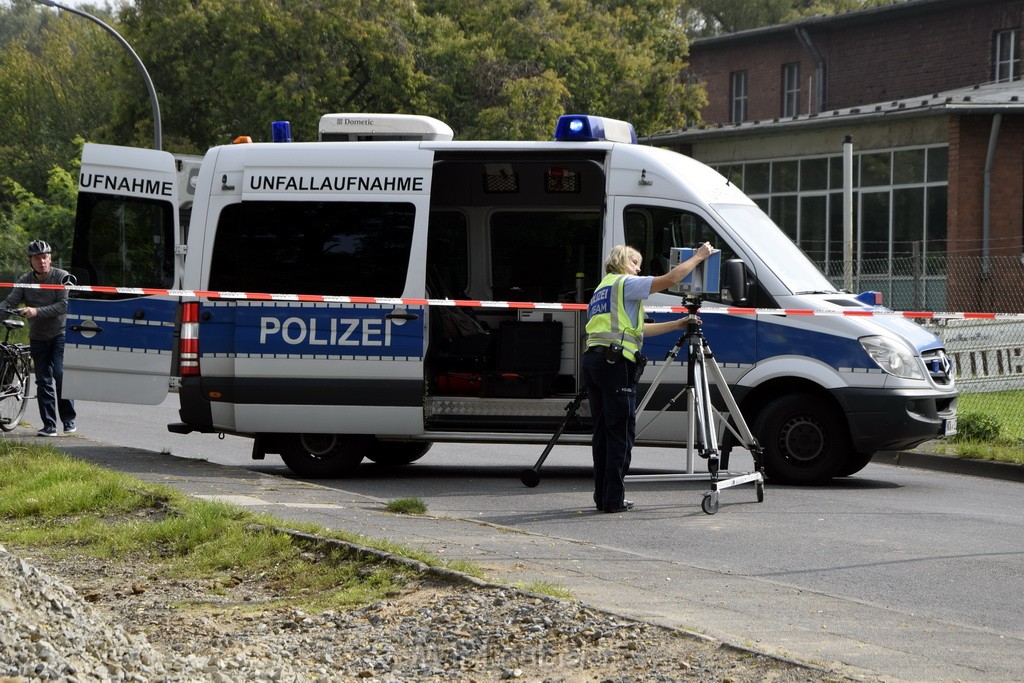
[{"x": 936, "y": 559}]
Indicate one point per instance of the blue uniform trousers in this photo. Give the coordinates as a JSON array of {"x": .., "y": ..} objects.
[{"x": 612, "y": 397}]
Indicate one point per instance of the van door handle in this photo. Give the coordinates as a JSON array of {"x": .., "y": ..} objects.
[
  {"x": 402, "y": 316},
  {"x": 86, "y": 328}
]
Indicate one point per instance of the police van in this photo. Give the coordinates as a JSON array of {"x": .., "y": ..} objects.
[{"x": 356, "y": 297}]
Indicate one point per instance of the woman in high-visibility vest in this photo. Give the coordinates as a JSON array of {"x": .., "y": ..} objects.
[{"x": 615, "y": 335}]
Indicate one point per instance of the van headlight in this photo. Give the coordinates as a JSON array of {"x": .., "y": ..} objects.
[{"x": 893, "y": 356}]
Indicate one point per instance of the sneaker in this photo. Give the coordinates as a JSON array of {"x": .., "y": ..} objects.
[
  {"x": 48, "y": 431},
  {"x": 70, "y": 428}
]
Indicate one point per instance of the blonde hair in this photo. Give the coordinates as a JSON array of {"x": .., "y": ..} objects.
[{"x": 620, "y": 258}]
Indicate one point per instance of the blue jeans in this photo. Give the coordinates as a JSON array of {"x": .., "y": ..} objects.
[{"x": 48, "y": 359}]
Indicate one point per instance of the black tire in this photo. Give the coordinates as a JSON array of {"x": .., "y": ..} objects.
[
  {"x": 804, "y": 439},
  {"x": 15, "y": 398},
  {"x": 855, "y": 462},
  {"x": 395, "y": 453},
  {"x": 323, "y": 456}
]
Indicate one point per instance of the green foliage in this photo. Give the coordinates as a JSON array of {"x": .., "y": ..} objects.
[
  {"x": 29, "y": 217},
  {"x": 407, "y": 506},
  {"x": 56, "y": 69},
  {"x": 522, "y": 63},
  {"x": 1005, "y": 407},
  {"x": 977, "y": 427},
  {"x": 990, "y": 426},
  {"x": 231, "y": 67}
]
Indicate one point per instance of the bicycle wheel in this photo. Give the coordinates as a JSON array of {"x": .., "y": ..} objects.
[{"x": 14, "y": 394}]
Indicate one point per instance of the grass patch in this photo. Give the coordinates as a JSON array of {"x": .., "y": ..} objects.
[
  {"x": 990, "y": 426},
  {"x": 978, "y": 450},
  {"x": 551, "y": 589},
  {"x": 1004, "y": 407},
  {"x": 48, "y": 499},
  {"x": 407, "y": 506}
]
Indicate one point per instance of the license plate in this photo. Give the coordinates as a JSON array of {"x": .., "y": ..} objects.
[{"x": 949, "y": 427}]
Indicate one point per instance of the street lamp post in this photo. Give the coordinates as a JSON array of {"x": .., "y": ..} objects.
[{"x": 157, "y": 130}]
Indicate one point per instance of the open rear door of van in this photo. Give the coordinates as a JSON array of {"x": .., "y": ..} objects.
[{"x": 119, "y": 343}]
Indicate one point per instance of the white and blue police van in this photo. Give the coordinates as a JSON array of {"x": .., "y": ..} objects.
[{"x": 288, "y": 291}]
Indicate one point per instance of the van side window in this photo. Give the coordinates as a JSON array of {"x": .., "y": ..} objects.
[
  {"x": 340, "y": 248},
  {"x": 448, "y": 255},
  {"x": 535, "y": 255},
  {"x": 654, "y": 230},
  {"x": 124, "y": 242}
]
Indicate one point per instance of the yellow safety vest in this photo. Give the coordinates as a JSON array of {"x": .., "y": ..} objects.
[{"x": 607, "y": 320}]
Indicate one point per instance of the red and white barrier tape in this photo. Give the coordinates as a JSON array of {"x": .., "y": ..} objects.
[{"x": 473, "y": 303}]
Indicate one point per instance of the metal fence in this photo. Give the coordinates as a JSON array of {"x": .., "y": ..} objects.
[{"x": 988, "y": 355}]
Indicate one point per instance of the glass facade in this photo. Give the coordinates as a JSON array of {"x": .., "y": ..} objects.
[{"x": 899, "y": 216}]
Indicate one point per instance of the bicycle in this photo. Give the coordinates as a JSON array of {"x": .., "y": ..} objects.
[{"x": 15, "y": 375}]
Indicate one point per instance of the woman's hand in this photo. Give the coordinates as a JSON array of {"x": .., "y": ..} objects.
[{"x": 704, "y": 251}]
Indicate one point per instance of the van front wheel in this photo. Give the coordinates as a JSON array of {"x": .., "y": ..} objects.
[
  {"x": 804, "y": 440},
  {"x": 324, "y": 456}
]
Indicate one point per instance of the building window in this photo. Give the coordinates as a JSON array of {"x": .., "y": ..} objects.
[
  {"x": 1007, "y": 55},
  {"x": 790, "y": 90},
  {"x": 899, "y": 237},
  {"x": 739, "y": 96}
]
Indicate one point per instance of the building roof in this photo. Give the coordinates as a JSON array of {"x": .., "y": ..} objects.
[
  {"x": 895, "y": 10},
  {"x": 984, "y": 99}
]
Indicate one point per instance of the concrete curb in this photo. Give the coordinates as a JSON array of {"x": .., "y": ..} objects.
[{"x": 955, "y": 465}]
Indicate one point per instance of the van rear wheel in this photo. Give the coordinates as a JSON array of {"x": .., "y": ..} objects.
[
  {"x": 324, "y": 456},
  {"x": 804, "y": 440},
  {"x": 395, "y": 453}
]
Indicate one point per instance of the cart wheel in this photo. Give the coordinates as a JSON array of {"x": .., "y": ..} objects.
[
  {"x": 530, "y": 477},
  {"x": 759, "y": 487},
  {"x": 710, "y": 503}
]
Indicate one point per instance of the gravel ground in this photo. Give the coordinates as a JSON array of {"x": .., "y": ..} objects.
[{"x": 80, "y": 619}]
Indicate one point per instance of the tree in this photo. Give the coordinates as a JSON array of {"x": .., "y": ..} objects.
[
  {"x": 30, "y": 217},
  {"x": 55, "y": 70},
  {"x": 231, "y": 67},
  {"x": 619, "y": 59}
]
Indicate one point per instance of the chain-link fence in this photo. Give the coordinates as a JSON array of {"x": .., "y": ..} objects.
[{"x": 988, "y": 355}]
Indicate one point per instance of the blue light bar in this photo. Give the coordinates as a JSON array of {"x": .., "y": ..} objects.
[
  {"x": 870, "y": 298},
  {"x": 583, "y": 128},
  {"x": 281, "y": 131}
]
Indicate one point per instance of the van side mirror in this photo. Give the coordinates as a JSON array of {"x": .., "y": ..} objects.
[{"x": 735, "y": 287}]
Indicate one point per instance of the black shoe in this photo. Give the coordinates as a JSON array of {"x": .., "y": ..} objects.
[{"x": 626, "y": 505}]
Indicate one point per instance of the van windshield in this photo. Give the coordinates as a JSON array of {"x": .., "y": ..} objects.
[{"x": 775, "y": 249}]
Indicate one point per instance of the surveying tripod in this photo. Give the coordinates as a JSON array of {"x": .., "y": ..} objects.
[
  {"x": 701, "y": 432},
  {"x": 701, "y": 415}
]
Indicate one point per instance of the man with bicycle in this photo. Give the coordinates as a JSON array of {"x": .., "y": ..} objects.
[{"x": 46, "y": 310}]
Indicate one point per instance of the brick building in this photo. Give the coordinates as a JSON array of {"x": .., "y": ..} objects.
[{"x": 930, "y": 93}]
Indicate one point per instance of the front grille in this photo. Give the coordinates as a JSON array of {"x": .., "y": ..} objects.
[{"x": 940, "y": 367}]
